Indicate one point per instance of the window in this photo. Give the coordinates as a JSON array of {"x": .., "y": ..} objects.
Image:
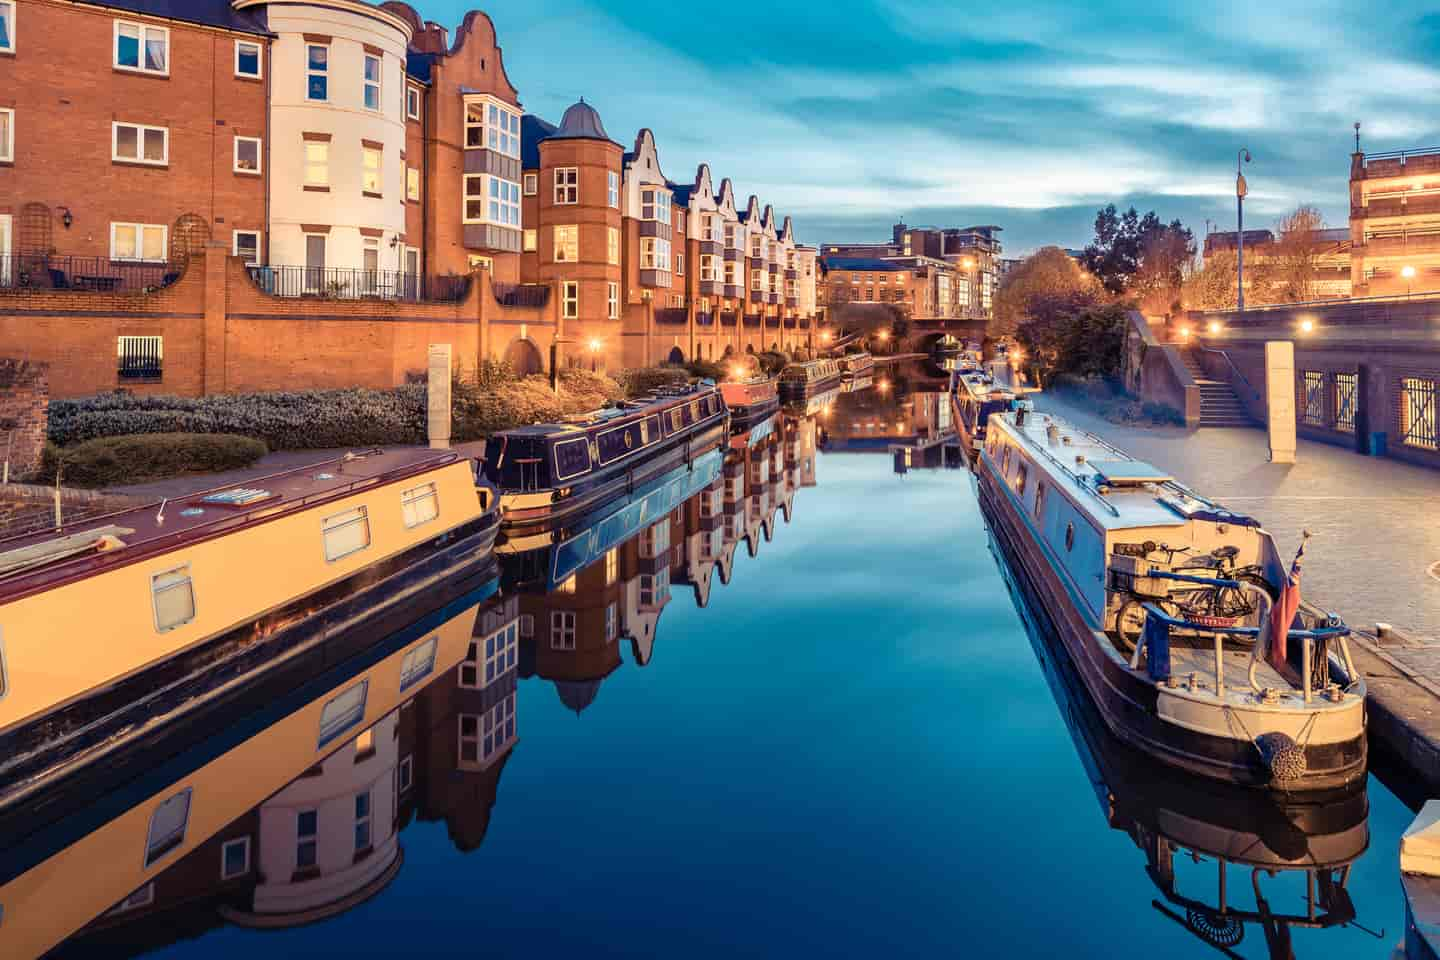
[
  {"x": 1022, "y": 473},
  {"x": 474, "y": 124},
  {"x": 247, "y": 59},
  {"x": 500, "y": 656},
  {"x": 142, "y": 48},
  {"x": 247, "y": 155},
  {"x": 370, "y": 170},
  {"x": 532, "y": 184},
  {"x": 317, "y": 72},
  {"x": 757, "y": 280},
  {"x": 707, "y": 226},
  {"x": 529, "y": 241},
  {"x": 369, "y": 264},
  {"x": 757, "y": 249},
  {"x": 136, "y": 143},
  {"x": 140, "y": 898},
  {"x": 612, "y": 245},
  {"x": 484, "y": 736},
  {"x": 1069, "y": 537},
  {"x": 405, "y": 774},
  {"x": 419, "y": 504},
  {"x": 1040, "y": 501},
  {"x": 1346, "y": 385},
  {"x": 732, "y": 238},
  {"x": 1312, "y": 397},
  {"x": 570, "y": 299},
  {"x": 7, "y": 25},
  {"x": 612, "y": 189},
  {"x": 412, "y": 102},
  {"x": 732, "y": 274},
  {"x": 138, "y": 241},
  {"x": 492, "y": 125},
  {"x": 412, "y": 183},
  {"x": 562, "y": 630},
  {"x": 680, "y": 264},
  {"x": 167, "y": 826},
  {"x": 245, "y": 244},
  {"x": 655, "y": 204},
  {"x": 567, "y": 244},
  {"x": 307, "y": 823},
  {"x": 567, "y": 185},
  {"x": 234, "y": 858},
  {"x": 172, "y": 595},
  {"x": 611, "y": 622},
  {"x": 655, "y": 588},
  {"x": 317, "y": 163},
  {"x": 1419, "y": 399},
  {"x": 362, "y": 821},
  {"x": 314, "y": 260},
  {"x": 489, "y": 199},
  {"x": 372, "y": 82},
  {"x": 7, "y": 132},
  {"x": 612, "y": 300},
  {"x": 612, "y": 566},
  {"x": 527, "y": 625},
  {"x": 654, "y": 254},
  {"x": 708, "y": 262},
  {"x": 343, "y": 711},
  {"x": 418, "y": 664},
  {"x": 346, "y": 533}
]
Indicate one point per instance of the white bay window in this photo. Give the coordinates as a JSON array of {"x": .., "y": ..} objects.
[
  {"x": 655, "y": 205},
  {"x": 490, "y": 124},
  {"x": 654, "y": 253},
  {"x": 491, "y": 199}
]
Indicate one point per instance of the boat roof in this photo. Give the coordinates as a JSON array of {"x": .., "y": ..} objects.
[
  {"x": 37, "y": 561},
  {"x": 578, "y": 423},
  {"x": 1117, "y": 491},
  {"x": 982, "y": 385}
]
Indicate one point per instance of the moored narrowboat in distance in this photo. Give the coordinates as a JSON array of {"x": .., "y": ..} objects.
[
  {"x": 750, "y": 399},
  {"x": 115, "y": 611},
  {"x": 974, "y": 396},
  {"x": 802, "y": 380},
  {"x": 553, "y": 470},
  {"x": 1181, "y": 617},
  {"x": 854, "y": 365}
]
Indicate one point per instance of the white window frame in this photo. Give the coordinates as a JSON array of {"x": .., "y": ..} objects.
[
  {"x": 341, "y": 521},
  {"x": 366, "y": 820},
  {"x": 179, "y": 577},
  {"x": 308, "y": 164},
  {"x": 654, "y": 253},
  {"x": 259, "y": 60},
  {"x": 570, "y": 300},
  {"x": 410, "y": 501},
  {"x": 612, "y": 300},
  {"x": 498, "y": 126},
  {"x": 143, "y": 29},
  {"x": 572, "y": 232},
  {"x": 224, "y": 847},
  {"x": 7, "y": 142},
  {"x": 366, "y": 83},
  {"x": 140, "y": 229},
  {"x": 14, "y": 12},
  {"x": 405, "y": 774},
  {"x": 612, "y": 621},
  {"x": 346, "y": 720},
  {"x": 567, "y": 185},
  {"x": 612, "y": 187},
  {"x": 529, "y": 240},
  {"x": 563, "y": 629},
  {"x": 259, "y": 155},
  {"x": 532, "y": 184},
  {"x": 497, "y": 192},
  {"x": 412, "y": 100},
  {"x": 312, "y": 839},
  {"x": 172, "y": 840},
  {"x": 655, "y": 204},
  {"x": 612, "y": 246},
  {"x": 412, "y": 184},
  {"x": 312, "y": 72},
  {"x": 140, "y": 130},
  {"x": 679, "y": 264},
  {"x": 235, "y": 245},
  {"x": 418, "y": 662},
  {"x": 366, "y": 185}
]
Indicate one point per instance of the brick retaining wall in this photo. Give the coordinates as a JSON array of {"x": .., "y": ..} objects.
[{"x": 24, "y": 414}]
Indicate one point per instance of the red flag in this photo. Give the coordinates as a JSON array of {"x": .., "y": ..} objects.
[{"x": 1286, "y": 606}]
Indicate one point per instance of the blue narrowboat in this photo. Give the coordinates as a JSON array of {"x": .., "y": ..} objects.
[
  {"x": 550, "y": 471},
  {"x": 974, "y": 396}
]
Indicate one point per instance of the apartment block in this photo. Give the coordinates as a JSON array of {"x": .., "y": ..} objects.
[
  {"x": 1395, "y": 222},
  {"x": 959, "y": 267}
]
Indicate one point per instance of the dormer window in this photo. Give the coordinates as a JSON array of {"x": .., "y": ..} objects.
[
  {"x": 492, "y": 125},
  {"x": 655, "y": 204}
]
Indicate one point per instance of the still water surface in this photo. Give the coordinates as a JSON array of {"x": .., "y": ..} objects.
[{"x": 851, "y": 749}]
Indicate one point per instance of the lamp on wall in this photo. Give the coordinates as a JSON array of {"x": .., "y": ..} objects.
[{"x": 66, "y": 217}]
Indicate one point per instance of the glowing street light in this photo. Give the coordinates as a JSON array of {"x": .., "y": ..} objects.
[
  {"x": 1408, "y": 272},
  {"x": 594, "y": 345},
  {"x": 1307, "y": 325},
  {"x": 883, "y": 335},
  {"x": 1184, "y": 333},
  {"x": 882, "y": 385},
  {"x": 1213, "y": 326}
]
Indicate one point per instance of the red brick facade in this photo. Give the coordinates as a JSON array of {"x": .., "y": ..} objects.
[{"x": 24, "y": 406}]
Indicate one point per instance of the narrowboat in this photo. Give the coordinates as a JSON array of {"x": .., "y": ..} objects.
[
  {"x": 750, "y": 400},
  {"x": 1181, "y": 616},
  {"x": 853, "y": 365},
  {"x": 802, "y": 380},
  {"x": 190, "y": 589},
  {"x": 550, "y": 471},
  {"x": 974, "y": 396},
  {"x": 1420, "y": 881}
]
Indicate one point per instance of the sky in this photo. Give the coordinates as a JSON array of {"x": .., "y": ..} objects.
[{"x": 850, "y": 114}]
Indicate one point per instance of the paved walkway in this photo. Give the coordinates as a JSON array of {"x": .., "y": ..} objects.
[{"x": 1376, "y": 532}]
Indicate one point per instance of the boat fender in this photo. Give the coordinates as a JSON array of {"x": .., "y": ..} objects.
[{"x": 1284, "y": 758}]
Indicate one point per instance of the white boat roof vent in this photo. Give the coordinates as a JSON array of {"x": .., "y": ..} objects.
[{"x": 1120, "y": 473}]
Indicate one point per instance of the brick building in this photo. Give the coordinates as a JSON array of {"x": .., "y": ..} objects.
[
  {"x": 1330, "y": 250},
  {"x": 1394, "y": 222},
  {"x": 960, "y": 267}
]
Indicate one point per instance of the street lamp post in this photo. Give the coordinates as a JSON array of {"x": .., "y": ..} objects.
[{"x": 1240, "y": 190}]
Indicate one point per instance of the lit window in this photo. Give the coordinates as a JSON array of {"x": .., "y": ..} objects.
[
  {"x": 138, "y": 241},
  {"x": 173, "y": 597},
  {"x": 247, "y": 59},
  {"x": 246, "y": 246},
  {"x": 307, "y": 829},
  {"x": 680, "y": 264},
  {"x": 372, "y": 82},
  {"x": 370, "y": 172},
  {"x": 567, "y": 185},
  {"x": 235, "y": 858},
  {"x": 612, "y": 566},
  {"x": 567, "y": 244},
  {"x": 612, "y": 193},
  {"x": 655, "y": 204},
  {"x": 1420, "y": 413},
  {"x": 474, "y": 124},
  {"x": 612, "y": 245},
  {"x": 317, "y": 72},
  {"x": 7, "y": 25},
  {"x": 7, "y": 134},
  {"x": 490, "y": 199},
  {"x": 570, "y": 300},
  {"x": 142, "y": 48},
  {"x": 343, "y": 711},
  {"x": 532, "y": 184},
  {"x": 412, "y": 103},
  {"x": 136, "y": 143},
  {"x": 346, "y": 533},
  {"x": 492, "y": 125},
  {"x": 419, "y": 504},
  {"x": 412, "y": 183},
  {"x": 528, "y": 242},
  {"x": 317, "y": 163},
  {"x": 167, "y": 826},
  {"x": 612, "y": 300},
  {"x": 654, "y": 253},
  {"x": 247, "y": 154}
]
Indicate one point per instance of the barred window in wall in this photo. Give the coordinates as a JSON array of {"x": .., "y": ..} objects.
[
  {"x": 1346, "y": 388},
  {"x": 655, "y": 204},
  {"x": 1419, "y": 417},
  {"x": 567, "y": 243},
  {"x": 570, "y": 299},
  {"x": 141, "y": 359},
  {"x": 654, "y": 253},
  {"x": 1312, "y": 397}
]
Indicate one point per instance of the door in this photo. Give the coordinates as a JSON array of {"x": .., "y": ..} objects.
[
  {"x": 6, "y": 271},
  {"x": 314, "y": 262},
  {"x": 412, "y": 273}
]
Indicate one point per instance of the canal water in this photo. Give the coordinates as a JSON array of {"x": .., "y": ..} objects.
[{"x": 799, "y": 714}]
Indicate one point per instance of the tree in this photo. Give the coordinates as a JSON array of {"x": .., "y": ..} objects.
[
  {"x": 1296, "y": 256},
  {"x": 1088, "y": 342},
  {"x": 1138, "y": 256},
  {"x": 1210, "y": 284},
  {"x": 1045, "y": 282}
]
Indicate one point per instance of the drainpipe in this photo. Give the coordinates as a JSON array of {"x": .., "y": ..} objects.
[{"x": 265, "y": 174}]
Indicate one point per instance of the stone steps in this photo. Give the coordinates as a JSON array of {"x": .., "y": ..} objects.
[{"x": 1219, "y": 404}]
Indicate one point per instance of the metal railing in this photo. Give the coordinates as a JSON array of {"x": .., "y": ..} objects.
[
  {"x": 521, "y": 294},
  {"x": 20, "y": 272},
  {"x": 339, "y": 283},
  {"x": 752, "y": 319},
  {"x": 705, "y": 319},
  {"x": 1235, "y": 373},
  {"x": 1402, "y": 154},
  {"x": 673, "y": 316}
]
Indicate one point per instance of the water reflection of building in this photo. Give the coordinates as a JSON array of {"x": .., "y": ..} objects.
[{"x": 910, "y": 419}]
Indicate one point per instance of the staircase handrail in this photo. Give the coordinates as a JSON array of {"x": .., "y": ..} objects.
[{"x": 1235, "y": 372}]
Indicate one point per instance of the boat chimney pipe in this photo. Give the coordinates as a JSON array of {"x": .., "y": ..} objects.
[{"x": 1052, "y": 434}]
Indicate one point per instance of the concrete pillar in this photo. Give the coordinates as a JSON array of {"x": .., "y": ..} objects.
[
  {"x": 1280, "y": 399},
  {"x": 213, "y": 371},
  {"x": 437, "y": 396}
]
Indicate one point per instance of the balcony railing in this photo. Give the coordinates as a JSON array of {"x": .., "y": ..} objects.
[
  {"x": 337, "y": 283},
  {"x": 752, "y": 319},
  {"x": 705, "y": 319},
  {"x": 40, "y": 271},
  {"x": 672, "y": 316},
  {"x": 521, "y": 294},
  {"x": 729, "y": 319}
]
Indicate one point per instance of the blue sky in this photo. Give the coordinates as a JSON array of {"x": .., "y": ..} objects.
[{"x": 851, "y": 113}]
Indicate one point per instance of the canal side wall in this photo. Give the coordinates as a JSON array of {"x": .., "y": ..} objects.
[{"x": 24, "y": 414}]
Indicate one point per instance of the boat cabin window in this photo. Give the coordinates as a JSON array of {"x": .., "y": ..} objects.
[
  {"x": 1069, "y": 537},
  {"x": 572, "y": 458},
  {"x": 1005, "y": 460},
  {"x": 1040, "y": 500},
  {"x": 346, "y": 533},
  {"x": 343, "y": 711},
  {"x": 419, "y": 504},
  {"x": 418, "y": 663},
  {"x": 167, "y": 826},
  {"x": 173, "y": 598}
]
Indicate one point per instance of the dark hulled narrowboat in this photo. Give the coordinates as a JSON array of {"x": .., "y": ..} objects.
[
  {"x": 801, "y": 381},
  {"x": 553, "y": 470},
  {"x": 974, "y": 396}
]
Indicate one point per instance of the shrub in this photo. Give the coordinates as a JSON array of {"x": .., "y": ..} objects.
[
  {"x": 707, "y": 369},
  {"x": 641, "y": 380},
  {"x": 151, "y": 456},
  {"x": 1106, "y": 398},
  {"x": 773, "y": 361}
]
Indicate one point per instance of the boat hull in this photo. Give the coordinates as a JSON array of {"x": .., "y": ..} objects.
[
  {"x": 1128, "y": 703},
  {"x": 795, "y": 391}
]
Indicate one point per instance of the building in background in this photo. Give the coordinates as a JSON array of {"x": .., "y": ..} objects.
[
  {"x": 1329, "y": 255},
  {"x": 959, "y": 267},
  {"x": 1395, "y": 223}
]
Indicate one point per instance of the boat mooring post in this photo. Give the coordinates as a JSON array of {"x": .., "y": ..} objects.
[{"x": 437, "y": 396}]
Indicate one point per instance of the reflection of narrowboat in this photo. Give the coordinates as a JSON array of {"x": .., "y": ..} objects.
[
  {"x": 974, "y": 396},
  {"x": 197, "y": 590},
  {"x": 947, "y": 346},
  {"x": 750, "y": 400},
  {"x": 1176, "y": 820},
  {"x": 853, "y": 365},
  {"x": 1164, "y": 600},
  {"x": 554, "y": 470},
  {"x": 801, "y": 381}
]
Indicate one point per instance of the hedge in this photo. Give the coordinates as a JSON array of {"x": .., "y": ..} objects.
[{"x": 151, "y": 456}]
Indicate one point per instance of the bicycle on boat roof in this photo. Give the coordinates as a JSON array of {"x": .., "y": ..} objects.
[{"x": 1208, "y": 590}]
